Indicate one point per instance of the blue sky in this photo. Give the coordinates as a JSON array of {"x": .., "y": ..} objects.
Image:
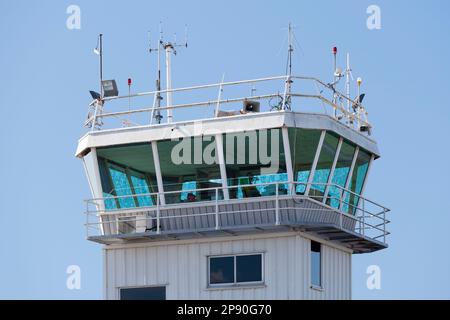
[{"x": 46, "y": 71}]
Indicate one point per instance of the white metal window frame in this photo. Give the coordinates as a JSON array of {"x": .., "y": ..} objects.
[{"x": 235, "y": 283}]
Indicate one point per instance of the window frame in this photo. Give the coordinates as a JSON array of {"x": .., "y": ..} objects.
[
  {"x": 313, "y": 285},
  {"x": 235, "y": 283}
]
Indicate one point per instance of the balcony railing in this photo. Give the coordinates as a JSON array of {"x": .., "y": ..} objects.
[
  {"x": 274, "y": 94},
  {"x": 287, "y": 206}
]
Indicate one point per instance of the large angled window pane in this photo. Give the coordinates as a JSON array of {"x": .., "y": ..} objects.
[
  {"x": 304, "y": 145},
  {"x": 356, "y": 182},
  {"x": 140, "y": 186},
  {"x": 255, "y": 163},
  {"x": 108, "y": 188},
  {"x": 189, "y": 164},
  {"x": 127, "y": 170},
  {"x": 221, "y": 270},
  {"x": 122, "y": 187},
  {"x": 323, "y": 167},
  {"x": 340, "y": 175}
]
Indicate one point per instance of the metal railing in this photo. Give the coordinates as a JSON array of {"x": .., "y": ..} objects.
[
  {"x": 367, "y": 218},
  {"x": 282, "y": 93}
]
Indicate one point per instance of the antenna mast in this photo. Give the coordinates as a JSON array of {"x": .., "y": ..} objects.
[
  {"x": 348, "y": 75},
  {"x": 169, "y": 48}
]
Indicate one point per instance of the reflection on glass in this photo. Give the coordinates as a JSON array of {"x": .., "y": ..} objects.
[
  {"x": 323, "y": 167},
  {"x": 127, "y": 171},
  {"x": 340, "y": 174},
  {"x": 356, "y": 183},
  {"x": 303, "y": 145},
  {"x": 252, "y": 158},
  {"x": 187, "y": 164}
]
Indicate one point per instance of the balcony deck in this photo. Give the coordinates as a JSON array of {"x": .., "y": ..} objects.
[{"x": 362, "y": 232}]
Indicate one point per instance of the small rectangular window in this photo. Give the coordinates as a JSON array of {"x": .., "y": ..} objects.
[
  {"x": 221, "y": 270},
  {"x": 237, "y": 269},
  {"x": 144, "y": 293},
  {"x": 248, "y": 268},
  {"x": 316, "y": 264}
]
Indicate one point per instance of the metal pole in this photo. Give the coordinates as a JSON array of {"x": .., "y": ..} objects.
[
  {"x": 168, "y": 49},
  {"x": 158, "y": 230},
  {"x": 277, "y": 215},
  {"x": 101, "y": 64},
  {"x": 217, "y": 208}
]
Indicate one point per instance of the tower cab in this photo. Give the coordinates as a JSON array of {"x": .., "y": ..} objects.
[{"x": 262, "y": 202}]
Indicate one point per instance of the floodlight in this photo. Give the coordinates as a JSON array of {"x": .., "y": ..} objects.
[{"x": 110, "y": 88}]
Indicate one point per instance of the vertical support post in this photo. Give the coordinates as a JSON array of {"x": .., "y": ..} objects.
[
  {"x": 158, "y": 214},
  {"x": 97, "y": 187},
  {"x": 333, "y": 167},
  {"x": 217, "y": 208},
  {"x": 316, "y": 159},
  {"x": 159, "y": 180},
  {"x": 277, "y": 206},
  {"x": 288, "y": 159},
  {"x": 223, "y": 172}
]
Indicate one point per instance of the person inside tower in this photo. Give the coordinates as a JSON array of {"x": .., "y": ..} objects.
[
  {"x": 191, "y": 197},
  {"x": 250, "y": 190}
]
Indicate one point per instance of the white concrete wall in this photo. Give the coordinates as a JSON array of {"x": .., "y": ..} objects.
[{"x": 182, "y": 267}]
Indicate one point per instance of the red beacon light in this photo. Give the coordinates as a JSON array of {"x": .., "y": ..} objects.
[
  {"x": 334, "y": 50},
  {"x": 129, "y": 81}
]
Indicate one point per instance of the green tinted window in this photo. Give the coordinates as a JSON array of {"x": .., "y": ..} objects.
[
  {"x": 252, "y": 158},
  {"x": 127, "y": 171},
  {"x": 323, "y": 167},
  {"x": 356, "y": 182},
  {"x": 187, "y": 164},
  {"x": 340, "y": 174},
  {"x": 304, "y": 145}
]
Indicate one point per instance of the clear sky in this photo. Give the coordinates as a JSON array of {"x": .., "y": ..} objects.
[{"x": 46, "y": 71}]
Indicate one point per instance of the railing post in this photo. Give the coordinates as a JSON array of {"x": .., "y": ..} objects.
[
  {"x": 217, "y": 209},
  {"x": 158, "y": 230},
  {"x": 364, "y": 216},
  {"x": 87, "y": 219},
  {"x": 384, "y": 225},
  {"x": 277, "y": 209}
]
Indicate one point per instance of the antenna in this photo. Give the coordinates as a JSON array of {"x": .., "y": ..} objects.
[
  {"x": 286, "y": 99},
  {"x": 348, "y": 75},
  {"x": 99, "y": 51},
  {"x": 169, "y": 48}
]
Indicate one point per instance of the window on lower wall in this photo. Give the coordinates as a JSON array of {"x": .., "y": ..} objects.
[
  {"x": 143, "y": 293},
  {"x": 316, "y": 264},
  {"x": 235, "y": 269}
]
